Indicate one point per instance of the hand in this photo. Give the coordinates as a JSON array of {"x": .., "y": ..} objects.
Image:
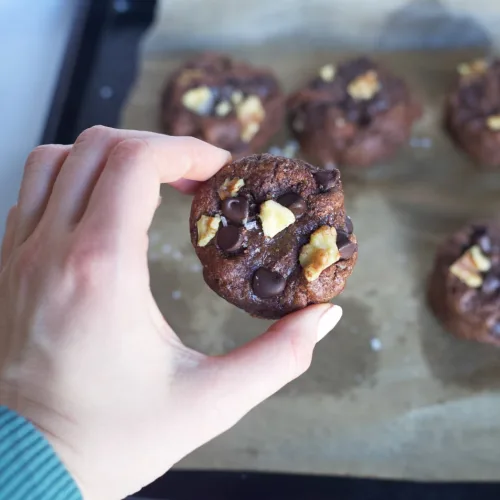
[{"x": 85, "y": 354}]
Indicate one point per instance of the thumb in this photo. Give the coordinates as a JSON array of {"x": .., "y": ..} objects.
[{"x": 247, "y": 376}]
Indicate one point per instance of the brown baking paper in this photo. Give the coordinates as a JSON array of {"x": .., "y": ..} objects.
[{"x": 389, "y": 393}]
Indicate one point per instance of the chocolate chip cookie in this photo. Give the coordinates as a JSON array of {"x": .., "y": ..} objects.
[
  {"x": 229, "y": 104},
  {"x": 272, "y": 235},
  {"x": 464, "y": 289},
  {"x": 473, "y": 111},
  {"x": 356, "y": 113}
]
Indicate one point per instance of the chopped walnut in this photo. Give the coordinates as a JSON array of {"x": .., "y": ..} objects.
[
  {"x": 365, "y": 86},
  {"x": 223, "y": 108},
  {"x": 207, "y": 229},
  {"x": 493, "y": 122},
  {"x": 198, "y": 100},
  {"x": 320, "y": 253},
  {"x": 327, "y": 72},
  {"x": 275, "y": 218},
  {"x": 470, "y": 265},
  {"x": 473, "y": 68},
  {"x": 250, "y": 113},
  {"x": 480, "y": 260},
  {"x": 236, "y": 96},
  {"x": 230, "y": 188}
]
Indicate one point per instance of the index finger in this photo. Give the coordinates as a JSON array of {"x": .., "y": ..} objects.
[{"x": 125, "y": 197}]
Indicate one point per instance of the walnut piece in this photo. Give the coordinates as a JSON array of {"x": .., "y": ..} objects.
[
  {"x": 473, "y": 68},
  {"x": 230, "y": 188},
  {"x": 275, "y": 218},
  {"x": 198, "y": 100},
  {"x": 320, "y": 253},
  {"x": 470, "y": 265},
  {"x": 493, "y": 122},
  {"x": 480, "y": 260},
  {"x": 236, "y": 96},
  {"x": 364, "y": 87},
  {"x": 223, "y": 108},
  {"x": 327, "y": 72},
  {"x": 250, "y": 113},
  {"x": 207, "y": 229}
]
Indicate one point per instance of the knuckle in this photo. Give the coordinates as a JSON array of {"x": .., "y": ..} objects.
[
  {"x": 130, "y": 149},
  {"x": 40, "y": 155},
  {"x": 92, "y": 134},
  {"x": 86, "y": 263}
]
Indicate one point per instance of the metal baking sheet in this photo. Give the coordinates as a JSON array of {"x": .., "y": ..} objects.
[{"x": 389, "y": 393}]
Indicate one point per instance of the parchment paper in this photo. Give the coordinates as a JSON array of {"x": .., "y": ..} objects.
[{"x": 389, "y": 392}]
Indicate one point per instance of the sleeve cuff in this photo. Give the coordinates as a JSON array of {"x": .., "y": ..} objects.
[{"x": 29, "y": 467}]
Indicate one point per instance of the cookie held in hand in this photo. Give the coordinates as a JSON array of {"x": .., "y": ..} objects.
[
  {"x": 356, "y": 113},
  {"x": 464, "y": 288},
  {"x": 272, "y": 235},
  {"x": 229, "y": 104}
]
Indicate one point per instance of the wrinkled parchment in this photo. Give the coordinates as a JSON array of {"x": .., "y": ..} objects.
[{"x": 389, "y": 393}]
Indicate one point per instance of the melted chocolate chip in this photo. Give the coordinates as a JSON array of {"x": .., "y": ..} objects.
[
  {"x": 295, "y": 203},
  {"x": 491, "y": 285},
  {"x": 235, "y": 209},
  {"x": 267, "y": 284},
  {"x": 327, "y": 179},
  {"x": 349, "y": 225},
  {"x": 229, "y": 239},
  {"x": 345, "y": 246}
]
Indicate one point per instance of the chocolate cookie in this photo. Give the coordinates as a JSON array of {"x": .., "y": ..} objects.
[
  {"x": 464, "y": 289},
  {"x": 473, "y": 111},
  {"x": 229, "y": 104},
  {"x": 272, "y": 235},
  {"x": 356, "y": 113}
]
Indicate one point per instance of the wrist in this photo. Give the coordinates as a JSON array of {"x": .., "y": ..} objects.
[{"x": 30, "y": 466}]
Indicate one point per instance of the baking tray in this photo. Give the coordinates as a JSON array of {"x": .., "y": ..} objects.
[{"x": 95, "y": 82}]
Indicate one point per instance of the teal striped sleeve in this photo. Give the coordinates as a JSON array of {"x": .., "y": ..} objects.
[{"x": 29, "y": 467}]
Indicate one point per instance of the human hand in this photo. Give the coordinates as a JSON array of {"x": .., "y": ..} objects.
[{"x": 85, "y": 353}]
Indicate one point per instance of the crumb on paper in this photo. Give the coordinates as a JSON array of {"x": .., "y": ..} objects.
[
  {"x": 154, "y": 238},
  {"x": 176, "y": 294},
  {"x": 177, "y": 255},
  {"x": 166, "y": 249},
  {"x": 421, "y": 142},
  {"x": 376, "y": 344},
  {"x": 196, "y": 267}
]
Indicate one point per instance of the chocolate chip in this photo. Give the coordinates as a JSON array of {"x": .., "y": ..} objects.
[
  {"x": 235, "y": 209},
  {"x": 345, "y": 246},
  {"x": 491, "y": 285},
  {"x": 229, "y": 239},
  {"x": 267, "y": 284},
  {"x": 327, "y": 178},
  {"x": 349, "y": 226},
  {"x": 295, "y": 203}
]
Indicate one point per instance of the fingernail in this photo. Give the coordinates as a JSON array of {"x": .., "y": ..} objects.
[{"x": 328, "y": 321}]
